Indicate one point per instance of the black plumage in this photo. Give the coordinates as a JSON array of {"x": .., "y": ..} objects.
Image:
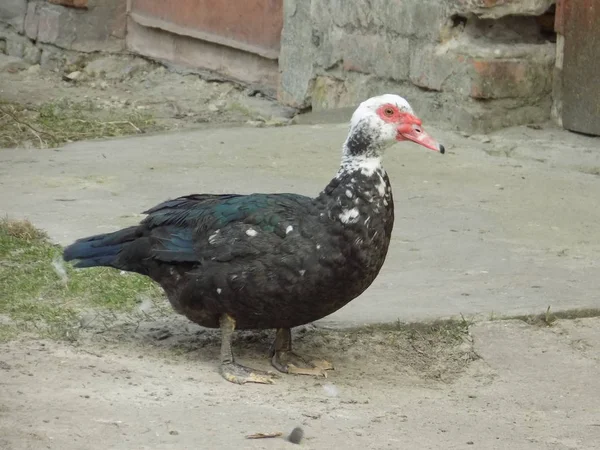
[{"x": 263, "y": 260}]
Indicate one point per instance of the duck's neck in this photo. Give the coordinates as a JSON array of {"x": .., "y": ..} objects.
[
  {"x": 362, "y": 151},
  {"x": 361, "y": 187},
  {"x": 367, "y": 165}
]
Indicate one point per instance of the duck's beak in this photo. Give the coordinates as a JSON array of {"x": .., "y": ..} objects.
[{"x": 414, "y": 132}]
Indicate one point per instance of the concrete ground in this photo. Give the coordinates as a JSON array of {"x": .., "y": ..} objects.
[
  {"x": 502, "y": 224},
  {"x": 504, "y": 227}
]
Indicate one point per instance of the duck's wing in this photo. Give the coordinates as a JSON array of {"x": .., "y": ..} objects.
[
  {"x": 192, "y": 229},
  {"x": 200, "y": 227}
]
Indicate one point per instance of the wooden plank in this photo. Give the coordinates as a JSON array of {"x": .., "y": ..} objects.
[
  {"x": 581, "y": 67},
  {"x": 249, "y": 25}
]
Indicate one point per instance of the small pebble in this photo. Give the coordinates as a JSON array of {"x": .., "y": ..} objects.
[
  {"x": 296, "y": 435},
  {"x": 74, "y": 75}
]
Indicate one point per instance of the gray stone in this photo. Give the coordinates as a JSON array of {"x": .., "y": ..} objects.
[
  {"x": 422, "y": 19},
  {"x": 21, "y": 47},
  {"x": 435, "y": 68},
  {"x": 31, "y": 21},
  {"x": 15, "y": 47},
  {"x": 52, "y": 58},
  {"x": 383, "y": 55},
  {"x": 296, "y": 55},
  {"x": 367, "y": 36},
  {"x": 12, "y": 64},
  {"x": 333, "y": 92},
  {"x": 34, "y": 70},
  {"x": 487, "y": 9},
  {"x": 32, "y": 54},
  {"x": 86, "y": 31},
  {"x": 2, "y": 46},
  {"x": 74, "y": 76},
  {"x": 12, "y": 12}
]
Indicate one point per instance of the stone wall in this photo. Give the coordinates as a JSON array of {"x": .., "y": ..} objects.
[
  {"x": 477, "y": 65},
  {"x": 54, "y": 31}
]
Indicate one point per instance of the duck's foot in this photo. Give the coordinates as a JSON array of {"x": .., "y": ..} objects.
[
  {"x": 290, "y": 362},
  {"x": 230, "y": 370},
  {"x": 286, "y": 361},
  {"x": 236, "y": 373}
]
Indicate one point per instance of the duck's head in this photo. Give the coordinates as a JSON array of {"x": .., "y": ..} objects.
[{"x": 382, "y": 121}]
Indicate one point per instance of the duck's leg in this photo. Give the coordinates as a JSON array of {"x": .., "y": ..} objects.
[
  {"x": 232, "y": 371},
  {"x": 286, "y": 361}
]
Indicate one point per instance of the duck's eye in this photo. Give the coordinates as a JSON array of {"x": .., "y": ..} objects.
[{"x": 389, "y": 112}]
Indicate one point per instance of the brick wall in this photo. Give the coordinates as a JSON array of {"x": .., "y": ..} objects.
[{"x": 475, "y": 64}]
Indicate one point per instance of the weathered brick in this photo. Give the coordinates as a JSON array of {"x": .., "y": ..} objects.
[
  {"x": 484, "y": 72},
  {"x": 13, "y": 12},
  {"x": 71, "y": 3},
  {"x": 498, "y": 78},
  {"x": 559, "y": 17},
  {"x": 494, "y": 9}
]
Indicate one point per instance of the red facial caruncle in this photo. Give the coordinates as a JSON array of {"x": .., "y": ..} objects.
[{"x": 408, "y": 127}]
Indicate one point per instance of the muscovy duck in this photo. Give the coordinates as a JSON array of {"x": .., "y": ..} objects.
[{"x": 271, "y": 260}]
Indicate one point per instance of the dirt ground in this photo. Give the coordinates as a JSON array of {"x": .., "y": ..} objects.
[
  {"x": 508, "y": 385},
  {"x": 123, "y": 86},
  {"x": 476, "y": 232}
]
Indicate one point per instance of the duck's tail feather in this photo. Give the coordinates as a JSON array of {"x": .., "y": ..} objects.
[{"x": 101, "y": 249}]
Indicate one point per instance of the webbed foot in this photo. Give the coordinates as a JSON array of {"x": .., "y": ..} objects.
[
  {"x": 236, "y": 373},
  {"x": 290, "y": 362},
  {"x": 286, "y": 361}
]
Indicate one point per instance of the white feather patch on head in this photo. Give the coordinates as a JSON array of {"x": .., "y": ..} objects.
[
  {"x": 289, "y": 229},
  {"x": 251, "y": 232},
  {"x": 369, "y": 106}
]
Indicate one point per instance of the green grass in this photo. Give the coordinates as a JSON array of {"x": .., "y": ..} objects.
[
  {"x": 55, "y": 123},
  {"x": 38, "y": 292}
]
